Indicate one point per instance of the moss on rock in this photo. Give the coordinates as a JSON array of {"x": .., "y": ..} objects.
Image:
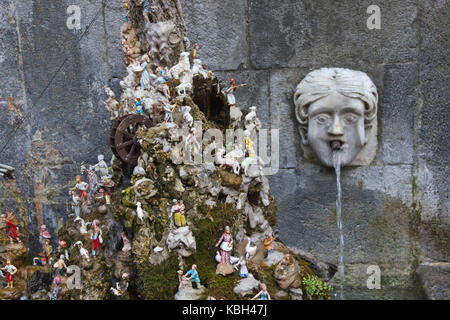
[{"x": 158, "y": 282}]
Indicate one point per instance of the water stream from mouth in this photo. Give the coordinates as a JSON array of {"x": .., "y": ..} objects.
[{"x": 337, "y": 167}]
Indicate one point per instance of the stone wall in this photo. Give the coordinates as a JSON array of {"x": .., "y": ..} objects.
[
  {"x": 53, "y": 79},
  {"x": 395, "y": 211}
]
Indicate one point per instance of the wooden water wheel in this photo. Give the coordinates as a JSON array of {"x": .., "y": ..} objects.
[{"x": 122, "y": 137}]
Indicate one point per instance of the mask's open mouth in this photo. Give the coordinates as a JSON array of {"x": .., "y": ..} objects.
[{"x": 336, "y": 145}]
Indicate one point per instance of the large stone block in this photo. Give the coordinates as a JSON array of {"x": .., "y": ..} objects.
[
  {"x": 397, "y": 114},
  {"x": 220, "y": 29},
  {"x": 282, "y": 116},
  {"x": 376, "y": 210},
  {"x": 432, "y": 202},
  {"x": 433, "y": 192},
  {"x": 396, "y": 282},
  {"x": 434, "y": 136},
  {"x": 435, "y": 279},
  {"x": 297, "y": 33}
]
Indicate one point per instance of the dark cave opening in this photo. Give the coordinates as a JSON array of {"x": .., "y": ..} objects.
[{"x": 210, "y": 100}]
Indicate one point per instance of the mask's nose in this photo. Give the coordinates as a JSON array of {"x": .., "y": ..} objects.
[{"x": 336, "y": 128}]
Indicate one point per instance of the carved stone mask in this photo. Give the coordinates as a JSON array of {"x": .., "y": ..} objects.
[
  {"x": 335, "y": 107},
  {"x": 164, "y": 41}
]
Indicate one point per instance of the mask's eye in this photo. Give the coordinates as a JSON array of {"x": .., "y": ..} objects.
[
  {"x": 322, "y": 118},
  {"x": 350, "y": 118}
]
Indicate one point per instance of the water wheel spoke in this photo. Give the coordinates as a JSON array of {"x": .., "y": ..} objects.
[
  {"x": 126, "y": 133},
  {"x": 124, "y": 144},
  {"x": 131, "y": 153},
  {"x": 135, "y": 129}
]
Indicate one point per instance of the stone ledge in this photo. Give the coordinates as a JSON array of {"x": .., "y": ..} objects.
[{"x": 435, "y": 279}]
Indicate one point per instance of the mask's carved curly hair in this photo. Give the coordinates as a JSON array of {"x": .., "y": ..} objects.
[{"x": 322, "y": 82}]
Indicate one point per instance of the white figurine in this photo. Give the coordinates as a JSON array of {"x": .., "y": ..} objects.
[
  {"x": 233, "y": 260},
  {"x": 197, "y": 69},
  {"x": 183, "y": 88},
  {"x": 217, "y": 257},
  {"x": 115, "y": 291},
  {"x": 187, "y": 117},
  {"x": 130, "y": 80},
  {"x": 101, "y": 167},
  {"x": 135, "y": 66},
  {"x": 182, "y": 68},
  {"x": 92, "y": 178},
  {"x": 243, "y": 272},
  {"x": 264, "y": 192},
  {"x": 145, "y": 77},
  {"x": 76, "y": 203},
  {"x": 138, "y": 170},
  {"x": 252, "y": 161},
  {"x": 111, "y": 104},
  {"x": 140, "y": 212},
  {"x": 160, "y": 80},
  {"x": 83, "y": 226},
  {"x": 121, "y": 286},
  {"x": 83, "y": 251},
  {"x": 252, "y": 123},
  {"x": 250, "y": 251},
  {"x": 230, "y": 91},
  {"x": 168, "y": 112},
  {"x": 227, "y": 162},
  {"x": 191, "y": 144},
  {"x": 235, "y": 116},
  {"x": 161, "y": 76},
  {"x": 126, "y": 243},
  {"x": 235, "y": 154},
  {"x": 183, "y": 282}
]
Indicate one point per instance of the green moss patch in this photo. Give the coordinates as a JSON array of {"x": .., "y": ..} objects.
[
  {"x": 207, "y": 234},
  {"x": 158, "y": 282}
]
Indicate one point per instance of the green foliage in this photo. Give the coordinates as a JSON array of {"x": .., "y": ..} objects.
[
  {"x": 159, "y": 282},
  {"x": 316, "y": 287}
]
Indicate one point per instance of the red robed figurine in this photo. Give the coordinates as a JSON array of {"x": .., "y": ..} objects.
[{"x": 11, "y": 227}]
